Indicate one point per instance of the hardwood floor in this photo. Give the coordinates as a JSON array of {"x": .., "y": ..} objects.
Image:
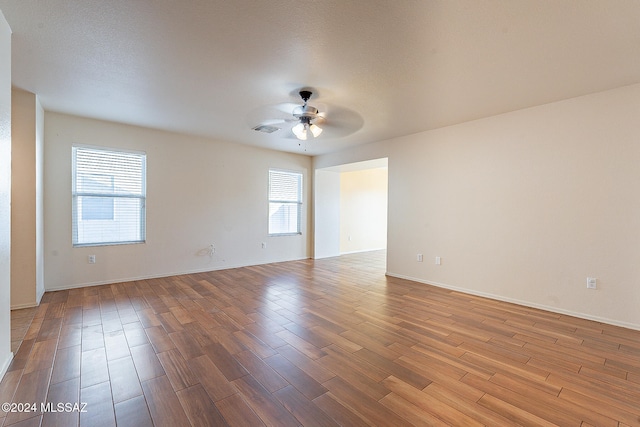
[{"x": 315, "y": 343}]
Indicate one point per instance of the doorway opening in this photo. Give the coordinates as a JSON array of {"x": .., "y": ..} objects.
[{"x": 350, "y": 208}]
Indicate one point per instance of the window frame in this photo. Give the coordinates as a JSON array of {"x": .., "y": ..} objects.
[
  {"x": 77, "y": 195},
  {"x": 298, "y": 203}
]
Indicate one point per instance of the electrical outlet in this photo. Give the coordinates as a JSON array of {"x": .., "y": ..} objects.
[
  {"x": 91, "y": 259},
  {"x": 264, "y": 245},
  {"x": 437, "y": 260},
  {"x": 591, "y": 283},
  {"x": 419, "y": 257}
]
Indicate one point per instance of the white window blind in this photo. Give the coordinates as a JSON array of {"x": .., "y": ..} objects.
[
  {"x": 108, "y": 193},
  {"x": 285, "y": 202}
]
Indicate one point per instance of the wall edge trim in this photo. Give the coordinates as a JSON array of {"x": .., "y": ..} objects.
[{"x": 5, "y": 365}]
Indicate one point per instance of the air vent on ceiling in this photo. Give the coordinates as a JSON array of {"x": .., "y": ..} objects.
[{"x": 266, "y": 128}]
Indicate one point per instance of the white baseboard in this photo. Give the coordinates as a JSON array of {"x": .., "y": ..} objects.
[
  {"x": 361, "y": 251},
  {"x": 26, "y": 305},
  {"x": 325, "y": 256},
  {"x": 158, "y": 276},
  {"x": 613, "y": 322},
  {"x": 39, "y": 294}
]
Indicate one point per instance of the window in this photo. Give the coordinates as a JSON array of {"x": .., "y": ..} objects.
[
  {"x": 285, "y": 202},
  {"x": 108, "y": 193},
  {"x": 94, "y": 208}
]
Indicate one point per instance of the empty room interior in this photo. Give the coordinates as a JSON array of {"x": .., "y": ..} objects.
[{"x": 319, "y": 213}]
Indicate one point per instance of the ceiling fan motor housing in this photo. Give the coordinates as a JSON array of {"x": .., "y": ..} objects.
[{"x": 305, "y": 111}]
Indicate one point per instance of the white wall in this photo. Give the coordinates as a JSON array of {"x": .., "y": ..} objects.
[
  {"x": 363, "y": 210},
  {"x": 326, "y": 214},
  {"x": 26, "y": 200},
  {"x": 199, "y": 192},
  {"x": 523, "y": 206},
  {"x": 5, "y": 195}
]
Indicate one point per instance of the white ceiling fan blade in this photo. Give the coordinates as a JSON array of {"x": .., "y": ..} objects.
[
  {"x": 319, "y": 120},
  {"x": 269, "y": 115},
  {"x": 337, "y": 122},
  {"x": 287, "y": 107},
  {"x": 271, "y": 122}
]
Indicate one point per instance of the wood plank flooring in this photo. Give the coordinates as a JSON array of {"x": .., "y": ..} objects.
[{"x": 314, "y": 343}]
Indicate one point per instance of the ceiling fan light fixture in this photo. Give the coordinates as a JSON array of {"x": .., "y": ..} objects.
[
  {"x": 315, "y": 130},
  {"x": 304, "y": 127},
  {"x": 300, "y": 131}
]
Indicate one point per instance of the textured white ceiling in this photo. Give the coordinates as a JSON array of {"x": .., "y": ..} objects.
[{"x": 387, "y": 68}]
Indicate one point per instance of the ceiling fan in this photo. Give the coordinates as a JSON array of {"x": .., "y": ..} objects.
[
  {"x": 306, "y": 121},
  {"x": 309, "y": 118},
  {"x": 306, "y": 116}
]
